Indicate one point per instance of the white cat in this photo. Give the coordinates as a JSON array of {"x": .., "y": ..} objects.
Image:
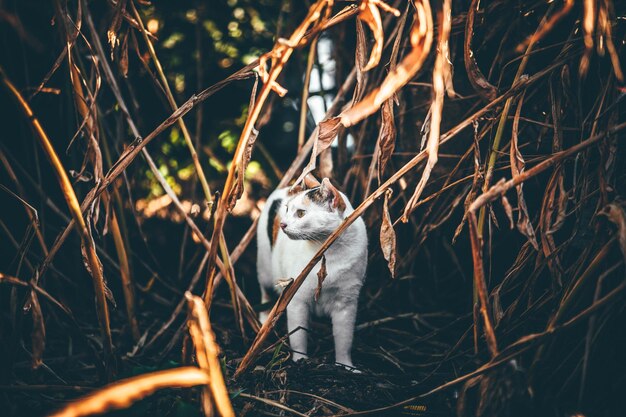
[{"x": 291, "y": 229}]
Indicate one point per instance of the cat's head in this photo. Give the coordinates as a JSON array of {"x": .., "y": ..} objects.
[{"x": 313, "y": 214}]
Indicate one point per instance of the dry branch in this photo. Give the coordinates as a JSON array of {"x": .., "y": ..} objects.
[
  {"x": 124, "y": 393},
  {"x": 290, "y": 291},
  {"x": 92, "y": 262}
]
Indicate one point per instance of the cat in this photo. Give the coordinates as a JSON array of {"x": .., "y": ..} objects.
[{"x": 292, "y": 226}]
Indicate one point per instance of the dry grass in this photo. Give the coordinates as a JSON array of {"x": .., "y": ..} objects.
[{"x": 531, "y": 140}]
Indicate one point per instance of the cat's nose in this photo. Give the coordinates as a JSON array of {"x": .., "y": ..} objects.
[{"x": 283, "y": 225}]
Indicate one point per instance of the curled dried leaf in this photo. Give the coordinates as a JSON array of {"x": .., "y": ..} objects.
[
  {"x": 388, "y": 236},
  {"x": 123, "y": 60},
  {"x": 441, "y": 73},
  {"x": 386, "y": 136},
  {"x": 421, "y": 41},
  {"x": 371, "y": 16},
  {"x": 321, "y": 276},
  {"x": 237, "y": 189},
  {"x": 360, "y": 63},
  {"x": 116, "y": 23},
  {"x": 326, "y": 133},
  {"x": 474, "y": 74}
]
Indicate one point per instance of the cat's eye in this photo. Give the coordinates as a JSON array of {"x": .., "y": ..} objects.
[{"x": 300, "y": 213}]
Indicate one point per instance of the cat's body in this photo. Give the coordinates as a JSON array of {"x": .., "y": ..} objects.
[{"x": 292, "y": 228}]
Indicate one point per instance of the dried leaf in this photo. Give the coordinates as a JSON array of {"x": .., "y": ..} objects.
[
  {"x": 237, "y": 190},
  {"x": 388, "y": 236},
  {"x": 123, "y": 61},
  {"x": 75, "y": 208},
  {"x": 325, "y": 166},
  {"x": 359, "y": 60},
  {"x": 116, "y": 22},
  {"x": 421, "y": 40},
  {"x": 441, "y": 73},
  {"x": 371, "y": 16},
  {"x": 386, "y": 136},
  {"x": 38, "y": 334},
  {"x": 124, "y": 393},
  {"x": 475, "y": 76},
  {"x": 326, "y": 133},
  {"x": 321, "y": 276},
  {"x": 498, "y": 313},
  {"x": 517, "y": 167},
  {"x": 393, "y": 60}
]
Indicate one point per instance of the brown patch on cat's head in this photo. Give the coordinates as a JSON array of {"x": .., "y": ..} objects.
[{"x": 326, "y": 195}]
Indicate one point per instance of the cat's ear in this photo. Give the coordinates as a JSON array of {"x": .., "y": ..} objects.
[
  {"x": 332, "y": 195},
  {"x": 310, "y": 181}
]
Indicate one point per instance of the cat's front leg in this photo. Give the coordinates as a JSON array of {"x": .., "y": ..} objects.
[
  {"x": 297, "y": 325},
  {"x": 343, "y": 318},
  {"x": 265, "y": 298}
]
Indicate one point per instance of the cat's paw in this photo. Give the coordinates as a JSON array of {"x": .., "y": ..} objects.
[{"x": 350, "y": 368}]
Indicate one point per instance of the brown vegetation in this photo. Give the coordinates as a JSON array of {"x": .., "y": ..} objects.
[{"x": 525, "y": 146}]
